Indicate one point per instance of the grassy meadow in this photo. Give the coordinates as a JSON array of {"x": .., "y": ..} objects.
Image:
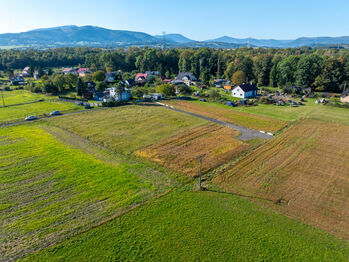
[
  {"x": 19, "y": 97},
  {"x": 128, "y": 128},
  {"x": 18, "y": 113},
  {"x": 196, "y": 226},
  {"x": 51, "y": 189},
  {"x": 282, "y": 113},
  {"x": 224, "y": 113},
  {"x": 304, "y": 170}
]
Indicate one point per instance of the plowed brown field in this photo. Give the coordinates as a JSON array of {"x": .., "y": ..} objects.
[
  {"x": 304, "y": 173},
  {"x": 180, "y": 152}
]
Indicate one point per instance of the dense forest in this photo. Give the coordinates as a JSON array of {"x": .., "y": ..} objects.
[{"x": 320, "y": 69}]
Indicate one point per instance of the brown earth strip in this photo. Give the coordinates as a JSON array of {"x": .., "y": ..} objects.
[{"x": 180, "y": 152}]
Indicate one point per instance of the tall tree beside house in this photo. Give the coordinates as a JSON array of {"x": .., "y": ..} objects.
[
  {"x": 261, "y": 67},
  {"x": 286, "y": 70},
  {"x": 238, "y": 78},
  {"x": 98, "y": 76},
  {"x": 101, "y": 86},
  {"x": 332, "y": 77},
  {"x": 308, "y": 68},
  {"x": 166, "y": 90},
  {"x": 80, "y": 87},
  {"x": 59, "y": 81}
]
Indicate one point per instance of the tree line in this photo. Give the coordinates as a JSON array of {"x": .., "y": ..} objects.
[{"x": 319, "y": 69}]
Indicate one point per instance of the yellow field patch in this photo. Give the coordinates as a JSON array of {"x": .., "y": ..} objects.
[{"x": 180, "y": 152}]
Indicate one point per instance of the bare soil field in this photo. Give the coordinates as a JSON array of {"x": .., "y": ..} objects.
[
  {"x": 252, "y": 121},
  {"x": 180, "y": 152},
  {"x": 304, "y": 173}
]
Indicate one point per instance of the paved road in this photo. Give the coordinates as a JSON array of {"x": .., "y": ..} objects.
[
  {"x": 45, "y": 117},
  {"x": 246, "y": 133}
]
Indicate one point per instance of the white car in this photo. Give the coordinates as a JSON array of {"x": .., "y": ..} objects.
[
  {"x": 30, "y": 118},
  {"x": 55, "y": 113}
]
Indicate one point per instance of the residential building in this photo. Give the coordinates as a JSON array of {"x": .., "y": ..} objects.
[
  {"x": 188, "y": 78},
  {"x": 124, "y": 96},
  {"x": 17, "y": 80},
  {"x": 245, "y": 91},
  {"x": 110, "y": 77},
  {"x": 70, "y": 70},
  {"x": 84, "y": 71},
  {"x": 345, "y": 97}
]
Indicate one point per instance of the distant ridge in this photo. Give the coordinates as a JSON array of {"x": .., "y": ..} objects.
[{"x": 94, "y": 36}]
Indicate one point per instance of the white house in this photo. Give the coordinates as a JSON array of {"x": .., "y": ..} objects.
[
  {"x": 124, "y": 96},
  {"x": 245, "y": 91}
]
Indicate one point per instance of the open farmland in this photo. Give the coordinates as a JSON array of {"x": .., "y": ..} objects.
[
  {"x": 51, "y": 189},
  {"x": 228, "y": 115},
  {"x": 304, "y": 173},
  {"x": 18, "y": 113},
  {"x": 283, "y": 113},
  {"x": 19, "y": 97},
  {"x": 197, "y": 226},
  {"x": 180, "y": 152},
  {"x": 128, "y": 128}
]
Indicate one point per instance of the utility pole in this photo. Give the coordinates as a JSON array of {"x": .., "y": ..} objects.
[
  {"x": 3, "y": 100},
  {"x": 200, "y": 158}
]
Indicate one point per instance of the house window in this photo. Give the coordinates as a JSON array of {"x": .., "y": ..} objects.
[
  {"x": 240, "y": 94},
  {"x": 234, "y": 94}
]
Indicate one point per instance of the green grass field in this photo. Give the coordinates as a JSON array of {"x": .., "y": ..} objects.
[
  {"x": 52, "y": 189},
  {"x": 19, "y": 97},
  {"x": 18, "y": 113},
  {"x": 288, "y": 113},
  {"x": 196, "y": 226},
  {"x": 128, "y": 128}
]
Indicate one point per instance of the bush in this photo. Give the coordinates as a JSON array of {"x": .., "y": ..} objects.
[{"x": 114, "y": 103}]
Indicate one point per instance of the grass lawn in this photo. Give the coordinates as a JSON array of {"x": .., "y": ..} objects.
[
  {"x": 19, "y": 97},
  {"x": 51, "y": 189},
  {"x": 18, "y": 113},
  {"x": 305, "y": 170},
  {"x": 128, "y": 128},
  {"x": 199, "y": 226},
  {"x": 288, "y": 113},
  {"x": 225, "y": 113}
]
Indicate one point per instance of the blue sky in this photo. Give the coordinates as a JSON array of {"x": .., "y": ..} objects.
[{"x": 197, "y": 19}]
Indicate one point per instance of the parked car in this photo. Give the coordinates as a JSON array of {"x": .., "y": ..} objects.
[
  {"x": 30, "y": 118},
  {"x": 80, "y": 103},
  {"x": 87, "y": 106},
  {"x": 203, "y": 100},
  {"x": 55, "y": 113}
]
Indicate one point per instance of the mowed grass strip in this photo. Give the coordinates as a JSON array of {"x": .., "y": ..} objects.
[
  {"x": 18, "y": 97},
  {"x": 226, "y": 114},
  {"x": 49, "y": 191},
  {"x": 128, "y": 128},
  {"x": 305, "y": 171},
  {"x": 197, "y": 226},
  {"x": 18, "y": 113},
  {"x": 180, "y": 152}
]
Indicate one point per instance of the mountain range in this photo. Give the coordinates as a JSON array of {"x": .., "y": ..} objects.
[{"x": 73, "y": 36}]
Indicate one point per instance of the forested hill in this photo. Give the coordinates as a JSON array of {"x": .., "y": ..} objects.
[
  {"x": 92, "y": 36},
  {"x": 320, "y": 69}
]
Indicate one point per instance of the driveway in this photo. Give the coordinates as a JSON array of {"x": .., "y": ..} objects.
[{"x": 246, "y": 133}]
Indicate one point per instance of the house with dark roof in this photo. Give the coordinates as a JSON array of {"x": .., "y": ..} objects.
[
  {"x": 245, "y": 91},
  {"x": 110, "y": 77},
  {"x": 188, "y": 78}
]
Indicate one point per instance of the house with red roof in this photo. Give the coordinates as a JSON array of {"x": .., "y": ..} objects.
[{"x": 84, "y": 71}]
